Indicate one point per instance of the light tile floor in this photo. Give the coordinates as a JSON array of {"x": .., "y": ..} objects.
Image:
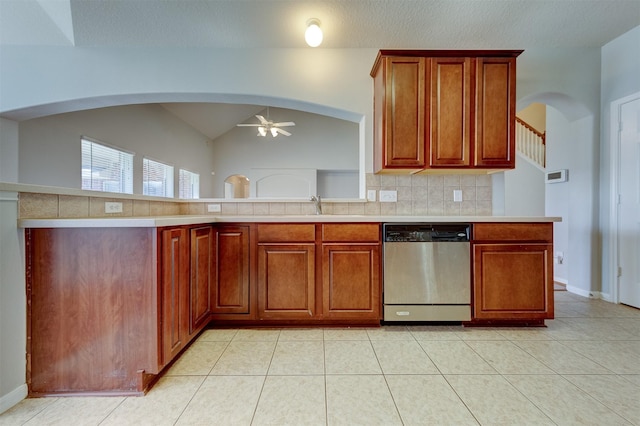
[{"x": 583, "y": 369}]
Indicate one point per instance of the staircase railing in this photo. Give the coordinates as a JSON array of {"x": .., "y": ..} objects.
[{"x": 530, "y": 142}]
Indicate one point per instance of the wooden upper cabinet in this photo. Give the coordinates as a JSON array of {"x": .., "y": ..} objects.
[
  {"x": 400, "y": 111},
  {"x": 450, "y": 141},
  {"x": 444, "y": 109},
  {"x": 495, "y": 140}
]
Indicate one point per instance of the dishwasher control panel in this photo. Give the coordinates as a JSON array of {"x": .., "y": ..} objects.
[{"x": 426, "y": 232}]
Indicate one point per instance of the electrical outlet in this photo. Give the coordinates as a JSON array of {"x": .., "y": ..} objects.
[
  {"x": 388, "y": 196},
  {"x": 112, "y": 207},
  {"x": 371, "y": 195},
  {"x": 214, "y": 208},
  {"x": 457, "y": 195}
]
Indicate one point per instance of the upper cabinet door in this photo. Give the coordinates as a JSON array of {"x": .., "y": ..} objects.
[
  {"x": 400, "y": 113},
  {"x": 495, "y": 112},
  {"x": 450, "y": 144}
]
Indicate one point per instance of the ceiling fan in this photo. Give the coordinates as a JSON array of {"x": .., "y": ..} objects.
[{"x": 267, "y": 126}]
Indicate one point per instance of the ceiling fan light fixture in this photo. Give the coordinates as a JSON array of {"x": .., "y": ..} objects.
[
  {"x": 274, "y": 132},
  {"x": 262, "y": 131},
  {"x": 313, "y": 34}
]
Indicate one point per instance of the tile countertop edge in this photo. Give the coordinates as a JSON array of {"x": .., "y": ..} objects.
[{"x": 161, "y": 221}]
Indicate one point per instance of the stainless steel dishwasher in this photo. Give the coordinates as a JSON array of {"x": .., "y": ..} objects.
[{"x": 427, "y": 272}]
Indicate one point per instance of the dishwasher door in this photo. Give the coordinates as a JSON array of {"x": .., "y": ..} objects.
[{"x": 427, "y": 273}]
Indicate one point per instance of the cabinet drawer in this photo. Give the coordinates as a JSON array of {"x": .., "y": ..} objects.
[
  {"x": 529, "y": 232},
  {"x": 351, "y": 232},
  {"x": 287, "y": 232}
]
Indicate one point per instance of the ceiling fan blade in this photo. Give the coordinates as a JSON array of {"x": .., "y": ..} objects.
[
  {"x": 285, "y": 124},
  {"x": 248, "y": 125},
  {"x": 284, "y": 132},
  {"x": 263, "y": 121}
]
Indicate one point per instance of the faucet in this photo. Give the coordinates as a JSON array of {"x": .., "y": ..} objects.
[{"x": 318, "y": 202}]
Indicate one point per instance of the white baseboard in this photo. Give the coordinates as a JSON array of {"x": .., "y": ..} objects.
[
  {"x": 606, "y": 297},
  {"x": 560, "y": 280},
  {"x": 583, "y": 292},
  {"x": 12, "y": 398}
]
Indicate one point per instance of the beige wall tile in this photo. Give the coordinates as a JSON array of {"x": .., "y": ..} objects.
[
  {"x": 276, "y": 208},
  {"x": 141, "y": 208},
  {"x": 356, "y": 208},
  {"x": 38, "y": 205},
  {"x": 245, "y": 209},
  {"x": 388, "y": 209},
  {"x": 229, "y": 208},
  {"x": 194, "y": 208},
  {"x": 73, "y": 206},
  {"x": 261, "y": 209},
  {"x": 372, "y": 208},
  {"x": 404, "y": 208}
]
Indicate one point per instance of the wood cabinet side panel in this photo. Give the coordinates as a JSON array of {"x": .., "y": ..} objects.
[
  {"x": 202, "y": 276},
  {"x": 93, "y": 323},
  {"x": 286, "y": 232},
  {"x": 351, "y": 232},
  {"x": 351, "y": 280},
  {"x": 231, "y": 291},
  {"x": 286, "y": 281},
  {"x": 495, "y": 112},
  {"x": 513, "y": 281},
  {"x": 450, "y": 142},
  {"x": 516, "y": 232}
]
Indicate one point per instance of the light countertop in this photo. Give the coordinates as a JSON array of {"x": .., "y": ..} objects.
[{"x": 161, "y": 221}]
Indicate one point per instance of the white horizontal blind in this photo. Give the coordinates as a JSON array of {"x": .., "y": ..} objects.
[
  {"x": 189, "y": 184},
  {"x": 157, "y": 178},
  {"x": 106, "y": 169}
]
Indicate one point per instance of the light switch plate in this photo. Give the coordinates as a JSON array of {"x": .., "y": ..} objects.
[
  {"x": 371, "y": 195},
  {"x": 112, "y": 207},
  {"x": 214, "y": 208},
  {"x": 388, "y": 196},
  {"x": 457, "y": 195}
]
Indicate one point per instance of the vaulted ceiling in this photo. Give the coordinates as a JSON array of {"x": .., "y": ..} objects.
[{"x": 426, "y": 24}]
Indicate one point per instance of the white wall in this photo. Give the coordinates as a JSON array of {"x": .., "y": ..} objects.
[
  {"x": 316, "y": 142},
  {"x": 620, "y": 78},
  {"x": 8, "y": 150},
  {"x": 50, "y": 146},
  {"x": 524, "y": 189}
]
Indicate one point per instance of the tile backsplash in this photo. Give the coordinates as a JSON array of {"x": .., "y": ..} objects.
[{"x": 417, "y": 195}]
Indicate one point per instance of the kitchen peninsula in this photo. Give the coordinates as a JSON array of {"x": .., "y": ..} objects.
[{"x": 112, "y": 301}]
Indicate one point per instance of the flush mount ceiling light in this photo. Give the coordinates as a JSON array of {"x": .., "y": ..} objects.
[{"x": 313, "y": 34}]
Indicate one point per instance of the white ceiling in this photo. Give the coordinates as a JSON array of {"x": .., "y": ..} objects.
[{"x": 425, "y": 24}]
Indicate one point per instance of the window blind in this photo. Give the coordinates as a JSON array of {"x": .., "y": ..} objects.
[
  {"x": 189, "y": 184},
  {"x": 157, "y": 178},
  {"x": 106, "y": 169}
]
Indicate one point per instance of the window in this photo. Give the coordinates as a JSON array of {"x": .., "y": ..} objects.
[
  {"x": 157, "y": 178},
  {"x": 106, "y": 169},
  {"x": 189, "y": 184}
]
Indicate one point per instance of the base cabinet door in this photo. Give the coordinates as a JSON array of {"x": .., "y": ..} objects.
[
  {"x": 351, "y": 281},
  {"x": 513, "y": 281},
  {"x": 202, "y": 276},
  {"x": 286, "y": 281},
  {"x": 175, "y": 292},
  {"x": 230, "y": 293}
]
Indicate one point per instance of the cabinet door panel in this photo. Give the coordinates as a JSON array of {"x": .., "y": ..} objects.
[
  {"x": 175, "y": 292},
  {"x": 351, "y": 281},
  {"x": 403, "y": 132},
  {"x": 513, "y": 281},
  {"x": 450, "y": 143},
  {"x": 231, "y": 293},
  {"x": 202, "y": 275},
  {"x": 495, "y": 112},
  {"x": 286, "y": 281}
]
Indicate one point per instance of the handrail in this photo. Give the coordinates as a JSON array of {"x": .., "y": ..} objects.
[{"x": 528, "y": 126}]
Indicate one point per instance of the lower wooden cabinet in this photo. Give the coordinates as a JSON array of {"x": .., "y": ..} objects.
[
  {"x": 513, "y": 272},
  {"x": 286, "y": 281},
  {"x": 202, "y": 257},
  {"x": 351, "y": 281},
  {"x": 175, "y": 292},
  {"x": 230, "y": 293}
]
